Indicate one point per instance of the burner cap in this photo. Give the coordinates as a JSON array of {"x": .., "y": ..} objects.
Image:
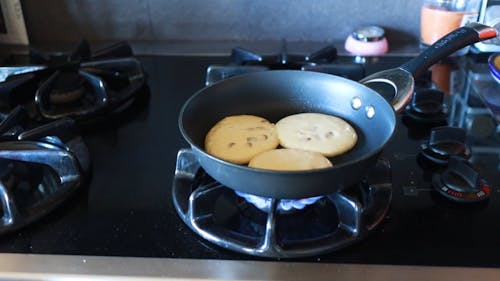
[{"x": 67, "y": 88}]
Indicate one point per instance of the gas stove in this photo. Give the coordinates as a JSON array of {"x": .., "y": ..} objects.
[
  {"x": 140, "y": 187},
  {"x": 221, "y": 215}
]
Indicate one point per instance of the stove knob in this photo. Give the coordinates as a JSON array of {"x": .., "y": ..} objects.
[
  {"x": 427, "y": 106},
  {"x": 427, "y": 101},
  {"x": 446, "y": 142},
  {"x": 460, "y": 182},
  {"x": 424, "y": 81}
]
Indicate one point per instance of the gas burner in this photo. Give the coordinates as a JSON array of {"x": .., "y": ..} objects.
[
  {"x": 41, "y": 166},
  {"x": 79, "y": 84},
  {"x": 283, "y": 60},
  {"x": 245, "y": 61},
  {"x": 331, "y": 222},
  {"x": 285, "y": 205}
]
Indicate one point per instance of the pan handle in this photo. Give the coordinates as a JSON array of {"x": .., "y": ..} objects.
[
  {"x": 459, "y": 38},
  {"x": 402, "y": 78}
]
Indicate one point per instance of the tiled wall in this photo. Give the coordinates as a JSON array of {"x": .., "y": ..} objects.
[{"x": 295, "y": 20}]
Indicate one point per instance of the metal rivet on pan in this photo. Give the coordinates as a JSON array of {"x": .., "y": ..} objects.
[
  {"x": 370, "y": 111},
  {"x": 356, "y": 103}
]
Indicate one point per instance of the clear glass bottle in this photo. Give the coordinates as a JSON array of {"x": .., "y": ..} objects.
[{"x": 440, "y": 17}]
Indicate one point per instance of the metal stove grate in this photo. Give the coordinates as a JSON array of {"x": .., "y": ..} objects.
[{"x": 335, "y": 221}]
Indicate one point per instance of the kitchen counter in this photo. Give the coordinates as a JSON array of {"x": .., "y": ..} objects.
[{"x": 54, "y": 268}]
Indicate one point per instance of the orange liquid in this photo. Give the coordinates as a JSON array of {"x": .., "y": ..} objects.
[
  {"x": 441, "y": 76},
  {"x": 435, "y": 23}
]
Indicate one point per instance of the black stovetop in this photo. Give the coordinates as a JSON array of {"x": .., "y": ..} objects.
[{"x": 126, "y": 208}]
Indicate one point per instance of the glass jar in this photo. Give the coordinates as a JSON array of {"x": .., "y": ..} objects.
[{"x": 440, "y": 17}]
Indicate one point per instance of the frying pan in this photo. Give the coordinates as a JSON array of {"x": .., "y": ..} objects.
[{"x": 276, "y": 94}]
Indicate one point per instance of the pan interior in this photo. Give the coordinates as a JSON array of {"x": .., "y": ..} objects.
[{"x": 277, "y": 94}]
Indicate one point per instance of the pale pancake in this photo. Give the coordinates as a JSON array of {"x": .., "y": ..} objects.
[
  {"x": 326, "y": 134},
  {"x": 286, "y": 159},
  {"x": 238, "y": 138}
]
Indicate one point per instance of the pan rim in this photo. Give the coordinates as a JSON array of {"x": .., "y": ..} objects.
[{"x": 373, "y": 152}]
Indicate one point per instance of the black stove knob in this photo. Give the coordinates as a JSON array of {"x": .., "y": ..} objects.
[
  {"x": 427, "y": 106},
  {"x": 427, "y": 101},
  {"x": 460, "y": 182},
  {"x": 446, "y": 142},
  {"x": 424, "y": 80}
]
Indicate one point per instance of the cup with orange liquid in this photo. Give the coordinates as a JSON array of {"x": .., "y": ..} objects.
[{"x": 440, "y": 17}]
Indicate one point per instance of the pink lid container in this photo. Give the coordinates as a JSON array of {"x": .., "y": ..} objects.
[{"x": 367, "y": 41}]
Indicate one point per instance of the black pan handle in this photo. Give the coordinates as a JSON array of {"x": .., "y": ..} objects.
[
  {"x": 401, "y": 79},
  {"x": 459, "y": 38}
]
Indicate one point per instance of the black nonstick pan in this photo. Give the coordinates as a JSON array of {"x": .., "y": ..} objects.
[{"x": 276, "y": 94}]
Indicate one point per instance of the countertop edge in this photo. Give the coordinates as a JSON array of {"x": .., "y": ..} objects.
[
  {"x": 211, "y": 47},
  {"x": 65, "y": 267}
]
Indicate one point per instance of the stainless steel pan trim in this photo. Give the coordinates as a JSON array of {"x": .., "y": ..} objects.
[{"x": 401, "y": 80}]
